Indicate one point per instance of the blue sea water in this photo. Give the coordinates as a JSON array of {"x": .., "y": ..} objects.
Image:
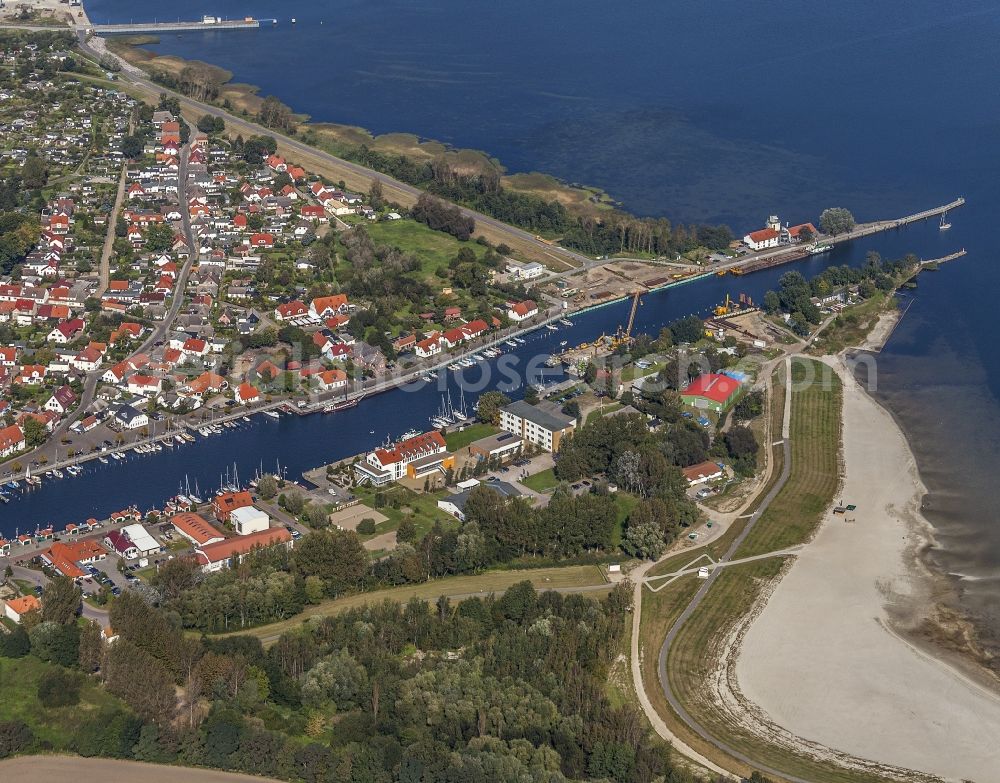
[{"x": 723, "y": 111}]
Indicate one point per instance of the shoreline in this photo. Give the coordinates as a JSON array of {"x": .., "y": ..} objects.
[
  {"x": 339, "y": 139},
  {"x": 844, "y": 622}
]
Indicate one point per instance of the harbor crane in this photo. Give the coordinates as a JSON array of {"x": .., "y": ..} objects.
[{"x": 624, "y": 336}]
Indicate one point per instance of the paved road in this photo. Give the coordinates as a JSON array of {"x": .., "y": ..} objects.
[
  {"x": 109, "y": 238},
  {"x": 714, "y": 565},
  {"x": 40, "y": 579}
]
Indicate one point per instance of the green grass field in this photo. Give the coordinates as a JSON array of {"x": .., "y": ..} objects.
[
  {"x": 453, "y": 586},
  {"x": 815, "y": 444},
  {"x": 540, "y": 482},
  {"x": 459, "y": 440},
  {"x": 19, "y": 678},
  {"x": 420, "y": 507},
  {"x": 434, "y": 248}
]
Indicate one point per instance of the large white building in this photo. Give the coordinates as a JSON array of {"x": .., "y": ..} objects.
[
  {"x": 249, "y": 520},
  {"x": 414, "y": 457},
  {"x": 543, "y": 425}
]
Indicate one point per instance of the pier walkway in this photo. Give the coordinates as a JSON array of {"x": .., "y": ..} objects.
[{"x": 173, "y": 27}]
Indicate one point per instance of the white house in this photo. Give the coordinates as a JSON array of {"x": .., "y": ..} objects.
[
  {"x": 249, "y": 520},
  {"x": 763, "y": 239},
  {"x": 521, "y": 311}
]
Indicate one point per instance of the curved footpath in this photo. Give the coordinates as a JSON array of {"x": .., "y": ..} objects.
[
  {"x": 638, "y": 577},
  {"x": 59, "y": 769}
]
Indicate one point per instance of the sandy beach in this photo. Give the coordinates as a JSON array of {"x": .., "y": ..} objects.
[{"x": 821, "y": 659}]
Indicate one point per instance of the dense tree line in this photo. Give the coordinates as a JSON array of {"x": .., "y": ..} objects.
[
  {"x": 441, "y": 216},
  {"x": 504, "y": 688},
  {"x": 795, "y": 294}
]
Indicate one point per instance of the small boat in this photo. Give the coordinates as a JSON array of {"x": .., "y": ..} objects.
[
  {"x": 944, "y": 225},
  {"x": 433, "y": 374},
  {"x": 345, "y": 404},
  {"x": 562, "y": 343},
  {"x": 188, "y": 437},
  {"x": 246, "y": 418},
  {"x": 814, "y": 250},
  {"x": 272, "y": 414},
  {"x": 565, "y": 322},
  {"x": 103, "y": 460},
  {"x": 410, "y": 434},
  {"x": 552, "y": 327},
  {"x": 12, "y": 485},
  {"x": 180, "y": 440},
  {"x": 57, "y": 473},
  {"x": 426, "y": 379},
  {"x": 454, "y": 367},
  {"x": 519, "y": 340},
  {"x": 511, "y": 343}
]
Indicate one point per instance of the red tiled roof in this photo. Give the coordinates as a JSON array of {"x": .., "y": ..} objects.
[
  {"x": 763, "y": 235},
  {"x": 223, "y": 550},
  {"x": 25, "y": 603},
  {"x": 195, "y": 527}
]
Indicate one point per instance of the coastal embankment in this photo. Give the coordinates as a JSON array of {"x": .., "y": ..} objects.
[{"x": 827, "y": 662}]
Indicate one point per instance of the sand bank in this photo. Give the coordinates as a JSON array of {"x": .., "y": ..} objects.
[{"x": 821, "y": 659}]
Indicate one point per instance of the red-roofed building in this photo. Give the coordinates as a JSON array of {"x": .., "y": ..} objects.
[
  {"x": 16, "y": 608},
  {"x": 215, "y": 557},
  {"x": 329, "y": 380},
  {"x": 196, "y": 528},
  {"x": 430, "y": 346},
  {"x": 66, "y": 558},
  {"x": 289, "y": 310},
  {"x": 796, "y": 233},
  {"x": 246, "y": 394},
  {"x": 702, "y": 472},
  {"x": 66, "y": 332},
  {"x": 763, "y": 239},
  {"x": 711, "y": 391},
  {"x": 194, "y": 346},
  {"x": 225, "y": 504},
  {"x": 415, "y": 457},
  {"x": 326, "y": 306},
  {"x": 521, "y": 311},
  {"x": 262, "y": 240},
  {"x": 11, "y": 440}
]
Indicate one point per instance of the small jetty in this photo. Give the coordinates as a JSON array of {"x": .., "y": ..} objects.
[{"x": 932, "y": 263}]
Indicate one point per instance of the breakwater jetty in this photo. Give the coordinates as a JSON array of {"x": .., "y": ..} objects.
[{"x": 207, "y": 23}]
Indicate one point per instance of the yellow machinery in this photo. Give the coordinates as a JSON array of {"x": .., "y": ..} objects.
[
  {"x": 624, "y": 336},
  {"x": 725, "y": 309}
]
